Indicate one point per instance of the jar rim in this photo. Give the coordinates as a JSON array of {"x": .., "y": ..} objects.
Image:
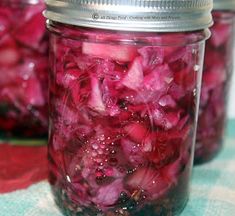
[{"x": 126, "y": 37}]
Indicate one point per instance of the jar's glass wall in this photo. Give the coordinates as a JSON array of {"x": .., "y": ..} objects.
[
  {"x": 123, "y": 110},
  {"x": 23, "y": 71},
  {"x": 217, "y": 74}
]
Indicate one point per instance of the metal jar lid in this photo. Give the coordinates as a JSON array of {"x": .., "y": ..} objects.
[
  {"x": 133, "y": 15},
  {"x": 224, "y": 5}
]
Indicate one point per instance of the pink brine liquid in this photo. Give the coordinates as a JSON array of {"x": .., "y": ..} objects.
[{"x": 122, "y": 120}]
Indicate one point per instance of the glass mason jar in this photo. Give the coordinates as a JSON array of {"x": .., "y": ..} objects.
[
  {"x": 23, "y": 72},
  {"x": 123, "y": 106},
  {"x": 217, "y": 74}
]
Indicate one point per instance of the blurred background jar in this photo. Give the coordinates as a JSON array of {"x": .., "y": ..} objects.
[
  {"x": 23, "y": 72},
  {"x": 217, "y": 75},
  {"x": 124, "y": 98}
]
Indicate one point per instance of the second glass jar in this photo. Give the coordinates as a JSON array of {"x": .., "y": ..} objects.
[
  {"x": 216, "y": 79},
  {"x": 23, "y": 72}
]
